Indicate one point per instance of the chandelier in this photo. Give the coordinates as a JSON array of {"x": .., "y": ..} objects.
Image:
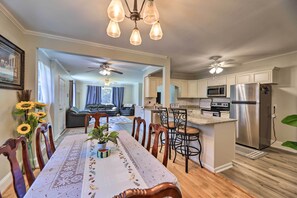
[
  {"x": 106, "y": 82},
  {"x": 150, "y": 16}
]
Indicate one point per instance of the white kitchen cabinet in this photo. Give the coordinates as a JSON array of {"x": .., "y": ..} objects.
[
  {"x": 150, "y": 86},
  {"x": 192, "y": 89},
  {"x": 217, "y": 80},
  {"x": 183, "y": 89},
  {"x": 139, "y": 111},
  {"x": 202, "y": 88},
  {"x": 231, "y": 80},
  {"x": 263, "y": 77},
  {"x": 244, "y": 78}
]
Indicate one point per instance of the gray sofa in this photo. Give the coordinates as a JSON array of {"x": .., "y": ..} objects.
[
  {"x": 109, "y": 109},
  {"x": 75, "y": 117}
]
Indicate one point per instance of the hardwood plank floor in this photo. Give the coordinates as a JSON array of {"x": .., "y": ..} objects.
[{"x": 273, "y": 175}]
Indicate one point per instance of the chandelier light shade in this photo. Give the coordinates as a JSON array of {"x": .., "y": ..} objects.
[
  {"x": 156, "y": 32},
  {"x": 113, "y": 29},
  {"x": 150, "y": 13},
  {"x": 216, "y": 70},
  {"x": 150, "y": 16},
  {"x": 135, "y": 38},
  {"x": 116, "y": 11},
  {"x": 219, "y": 70}
]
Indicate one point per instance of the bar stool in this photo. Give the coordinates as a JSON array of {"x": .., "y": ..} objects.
[
  {"x": 184, "y": 136},
  {"x": 164, "y": 118}
]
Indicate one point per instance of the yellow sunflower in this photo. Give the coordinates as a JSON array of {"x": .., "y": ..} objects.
[
  {"x": 40, "y": 104},
  {"x": 24, "y": 105},
  {"x": 23, "y": 129},
  {"x": 34, "y": 114},
  {"x": 41, "y": 114},
  {"x": 42, "y": 121}
]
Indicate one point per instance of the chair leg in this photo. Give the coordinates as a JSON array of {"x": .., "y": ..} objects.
[
  {"x": 174, "y": 149},
  {"x": 186, "y": 154},
  {"x": 200, "y": 150},
  {"x": 161, "y": 142}
]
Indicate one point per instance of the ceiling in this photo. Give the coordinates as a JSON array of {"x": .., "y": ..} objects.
[
  {"x": 193, "y": 30},
  {"x": 78, "y": 67}
]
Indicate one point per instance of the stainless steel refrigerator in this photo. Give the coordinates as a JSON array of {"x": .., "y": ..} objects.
[{"x": 251, "y": 106}]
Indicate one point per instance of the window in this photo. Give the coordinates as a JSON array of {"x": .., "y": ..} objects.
[{"x": 106, "y": 95}]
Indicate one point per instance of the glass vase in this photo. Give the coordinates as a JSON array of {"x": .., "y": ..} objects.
[{"x": 31, "y": 154}]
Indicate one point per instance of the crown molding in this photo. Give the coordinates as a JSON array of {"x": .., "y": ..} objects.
[
  {"x": 93, "y": 44},
  {"x": 271, "y": 57},
  {"x": 12, "y": 18}
]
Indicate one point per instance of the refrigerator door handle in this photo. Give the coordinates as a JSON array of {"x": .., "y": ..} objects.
[{"x": 244, "y": 102}]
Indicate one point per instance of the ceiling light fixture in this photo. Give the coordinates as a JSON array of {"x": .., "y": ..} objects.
[
  {"x": 104, "y": 72},
  {"x": 106, "y": 82},
  {"x": 216, "y": 66},
  {"x": 150, "y": 16}
]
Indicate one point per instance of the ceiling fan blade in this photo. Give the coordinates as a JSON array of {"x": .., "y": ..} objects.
[
  {"x": 93, "y": 67},
  {"x": 115, "y": 71},
  {"x": 91, "y": 70}
]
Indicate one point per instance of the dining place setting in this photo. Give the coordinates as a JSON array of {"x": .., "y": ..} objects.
[{"x": 101, "y": 163}]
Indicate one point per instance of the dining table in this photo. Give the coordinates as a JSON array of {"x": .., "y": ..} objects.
[{"x": 75, "y": 170}]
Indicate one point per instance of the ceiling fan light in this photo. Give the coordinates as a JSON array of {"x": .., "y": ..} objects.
[
  {"x": 116, "y": 11},
  {"x": 104, "y": 72},
  {"x": 113, "y": 29},
  {"x": 150, "y": 13},
  {"x": 212, "y": 70},
  {"x": 156, "y": 32},
  {"x": 135, "y": 38},
  {"x": 219, "y": 70}
]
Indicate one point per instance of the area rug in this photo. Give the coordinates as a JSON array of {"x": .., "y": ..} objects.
[{"x": 249, "y": 152}]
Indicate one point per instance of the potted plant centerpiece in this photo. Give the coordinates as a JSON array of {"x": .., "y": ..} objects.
[{"x": 101, "y": 134}]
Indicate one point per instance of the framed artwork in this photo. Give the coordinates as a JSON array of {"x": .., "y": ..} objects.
[{"x": 12, "y": 65}]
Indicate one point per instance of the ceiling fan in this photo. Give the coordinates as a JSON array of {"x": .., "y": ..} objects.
[
  {"x": 217, "y": 66},
  {"x": 105, "y": 69}
]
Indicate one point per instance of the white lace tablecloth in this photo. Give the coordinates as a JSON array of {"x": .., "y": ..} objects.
[{"x": 75, "y": 171}]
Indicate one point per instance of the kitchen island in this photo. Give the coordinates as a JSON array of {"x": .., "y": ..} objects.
[{"x": 217, "y": 139}]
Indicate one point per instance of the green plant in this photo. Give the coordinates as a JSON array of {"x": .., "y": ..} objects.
[
  {"x": 290, "y": 120},
  {"x": 102, "y": 135}
]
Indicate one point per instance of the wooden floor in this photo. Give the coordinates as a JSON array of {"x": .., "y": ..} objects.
[{"x": 273, "y": 175}]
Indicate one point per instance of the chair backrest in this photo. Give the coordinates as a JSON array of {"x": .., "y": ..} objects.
[
  {"x": 137, "y": 122},
  {"x": 163, "y": 112},
  {"x": 180, "y": 117},
  {"x": 158, "y": 129},
  {"x": 47, "y": 133},
  {"x": 162, "y": 190},
  {"x": 97, "y": 117},
  {"x": 9, "y": 149}
]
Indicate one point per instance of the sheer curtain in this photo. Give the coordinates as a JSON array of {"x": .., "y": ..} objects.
[
  {"x": 117, "y": 96},
  {"x": 93, "y": 95},
  {"x": 45, "y": 91}
]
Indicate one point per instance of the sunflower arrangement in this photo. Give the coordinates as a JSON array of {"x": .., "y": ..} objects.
[{"x": 30, "y": 113}]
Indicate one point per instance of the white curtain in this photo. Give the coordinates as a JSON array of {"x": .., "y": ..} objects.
[{"x": 45, "y": 87}]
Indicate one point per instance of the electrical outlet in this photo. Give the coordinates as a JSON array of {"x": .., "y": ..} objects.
[{"x": 274, "y": 108}]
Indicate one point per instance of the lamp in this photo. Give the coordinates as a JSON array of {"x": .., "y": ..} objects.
[
  {"x": 104, "y": 72},
  {"x": 116, "y": 14}
]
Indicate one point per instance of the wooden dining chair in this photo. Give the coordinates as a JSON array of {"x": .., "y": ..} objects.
[
  {"x": 159, "y": 191},
  {"x": 159, "y": 130},
  {"x": 9, "y": 149},
  {"x": 97, "y": 117},
  {"x": 47, "y": 133},
  {"x": 137, "y": 123}
]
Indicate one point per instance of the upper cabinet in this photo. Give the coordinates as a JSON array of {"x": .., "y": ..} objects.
[
  {"x": 267, "y": 76},
  {"x": 202, "y": 88},
  {"x": 192, "y": 89},
  {"x": 217, "y": 80},
  {"x": 150, "y": 86},
  {"x": 244, "y": 78},
  {"x": 231, "y": 80},
  {"x": 183, "y": 89}
]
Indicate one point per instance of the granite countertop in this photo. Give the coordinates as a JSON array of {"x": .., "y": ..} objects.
[{"x": 204, "y": 120}]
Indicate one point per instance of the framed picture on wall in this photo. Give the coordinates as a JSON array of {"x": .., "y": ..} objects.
[{"x": 12, "y": 65}]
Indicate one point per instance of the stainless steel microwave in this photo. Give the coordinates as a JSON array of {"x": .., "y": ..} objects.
[{"x": 217, "y": 91}]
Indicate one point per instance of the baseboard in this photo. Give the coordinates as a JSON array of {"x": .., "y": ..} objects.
[
  {"x": 223, "y": 167},
  {"x": 278, "y": 145},
  {"x": 218, "y": 169},
  {"x": 5, "y": 182}
]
